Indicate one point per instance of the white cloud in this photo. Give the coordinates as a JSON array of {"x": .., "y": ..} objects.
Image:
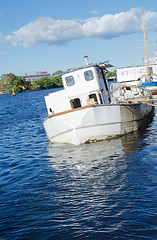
[
  {"x": 95, "y": 12},
  {"x": 110, "y": 26},
  {"x": 150, "y": 17},
  {"x": 48, "y": 31}
]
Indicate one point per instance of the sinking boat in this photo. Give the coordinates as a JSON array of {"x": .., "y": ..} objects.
[{"x": 84, "y": 111}]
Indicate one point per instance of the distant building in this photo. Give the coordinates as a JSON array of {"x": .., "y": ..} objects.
[
  {"x": 32, "y": 76},
  {"x": 136, "y": 72}
]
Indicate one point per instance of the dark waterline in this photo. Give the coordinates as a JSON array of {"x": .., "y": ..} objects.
[{"x": 104, "y": 190}]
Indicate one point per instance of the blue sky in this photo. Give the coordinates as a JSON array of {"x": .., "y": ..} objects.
[{"x": 51, "y": 35}]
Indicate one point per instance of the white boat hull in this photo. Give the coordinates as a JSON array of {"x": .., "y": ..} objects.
[{"x": 96, "y": 122}]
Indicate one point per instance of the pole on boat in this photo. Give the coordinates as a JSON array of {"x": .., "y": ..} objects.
[
  {"x": 145, "y": 43},
  {"x": 86, "y": 59},
  {"x": 148, "y": 103}
]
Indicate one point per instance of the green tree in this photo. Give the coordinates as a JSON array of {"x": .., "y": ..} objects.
[
  {"x": 57, "y": 81},
  {"x": 56, "y": 73},
  {"x": 12, "y": 82},
  {"x": 111, "y": 74},
  {"x": 46, "y": 83}
]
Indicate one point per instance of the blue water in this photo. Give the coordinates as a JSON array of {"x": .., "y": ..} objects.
[{"x": 104, "y": 190}]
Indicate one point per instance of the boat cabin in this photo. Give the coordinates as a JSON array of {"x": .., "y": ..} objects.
[{"x": 82, "y": 86}]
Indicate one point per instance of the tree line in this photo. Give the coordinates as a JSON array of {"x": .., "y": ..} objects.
[{"x": 10, "y": 82}]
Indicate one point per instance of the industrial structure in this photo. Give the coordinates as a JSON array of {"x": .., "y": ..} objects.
[{"x": 32, "y": 76}]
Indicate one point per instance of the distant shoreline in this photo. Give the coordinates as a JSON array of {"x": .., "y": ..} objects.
[{"x": 1, "y": 93}]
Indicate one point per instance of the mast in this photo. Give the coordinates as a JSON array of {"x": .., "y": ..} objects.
[{"x": 145, "y": 43}]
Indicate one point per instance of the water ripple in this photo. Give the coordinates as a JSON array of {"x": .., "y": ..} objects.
[{"x": 105, "y": 190}]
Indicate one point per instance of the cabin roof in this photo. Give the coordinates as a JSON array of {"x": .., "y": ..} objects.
[{"x": 102, "y": 65}]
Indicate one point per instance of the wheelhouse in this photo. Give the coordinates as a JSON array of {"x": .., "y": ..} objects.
[{"x": 82, "y": 86}]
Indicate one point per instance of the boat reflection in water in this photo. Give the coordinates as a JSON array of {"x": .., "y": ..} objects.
[
  {"x": 103, "y": 189},
  {"x": 87, "y": 156}
]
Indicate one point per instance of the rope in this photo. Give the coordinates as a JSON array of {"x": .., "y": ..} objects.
[{"x": 151, "y": 104}]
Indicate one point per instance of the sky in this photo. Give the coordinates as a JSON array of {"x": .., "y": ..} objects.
[{"x": 52, "y": 35}]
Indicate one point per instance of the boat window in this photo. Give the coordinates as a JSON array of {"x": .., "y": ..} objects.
[
  {"x": 88, "y": 75},
  {"x": 143, "y": 71},
  {"x": 69, "y": 81},
  {"x": 94, "y": 97},
  {"x": 75, "y": 103},
  {"x": 125, "y": 73},
  {"x": 128, "y": 88}
]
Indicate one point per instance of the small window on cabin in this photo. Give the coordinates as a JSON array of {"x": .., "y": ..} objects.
[
  {"x": 69, "y": 81},
  {"x": 94, "y": 97},
  {"x": 125, "y": 73},
  {"x": 88, "y": 75},
  {"x": 128, "y": 88},
  {"x": 143, "y": 71},
  {"x": 75, "y": 103}
]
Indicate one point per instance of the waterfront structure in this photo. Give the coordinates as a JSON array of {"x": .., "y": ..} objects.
[
  {"x": 144, "y": 77},
  {"x": 135, "y": 73},
  {"x": 32, "y": 76}
]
